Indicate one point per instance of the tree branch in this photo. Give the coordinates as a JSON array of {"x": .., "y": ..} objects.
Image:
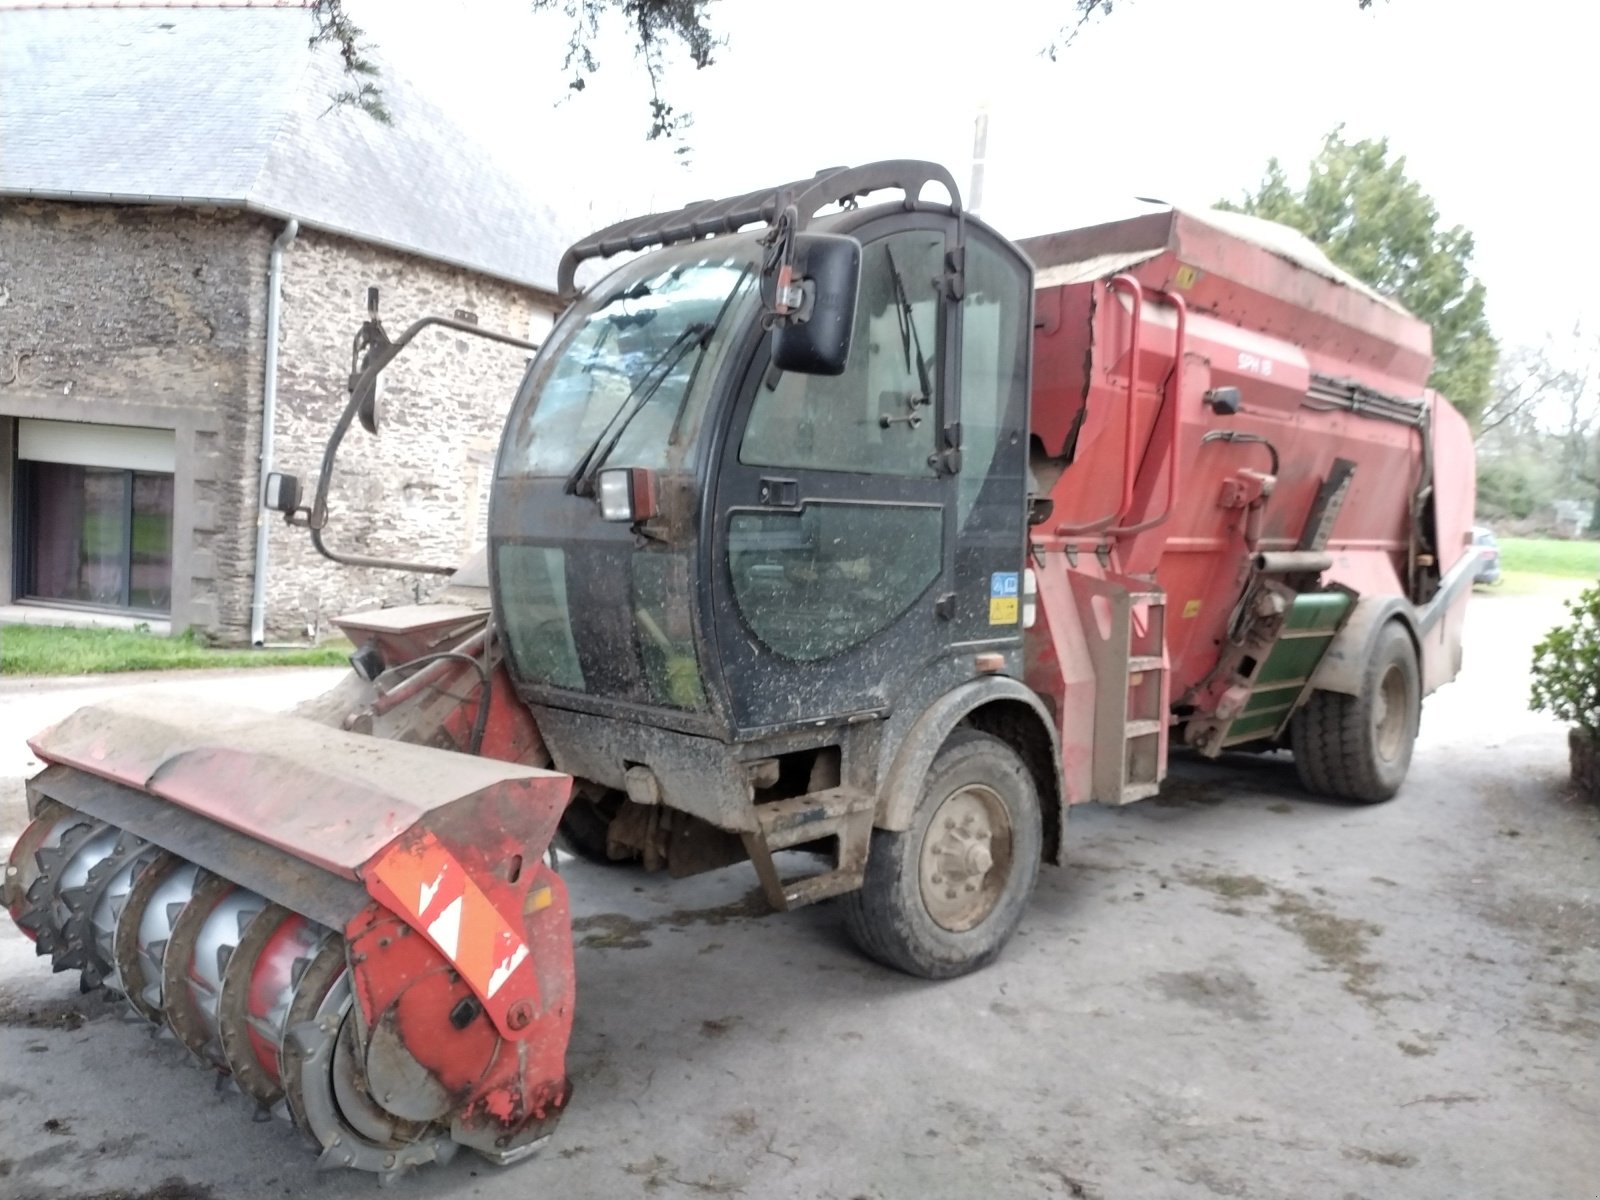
[
  {"x": 334, "y": 27},
  {"x": 657, "y": 26},
  {"x": 1084, "y": 11},
  {"x": 1501, "y": 412}
]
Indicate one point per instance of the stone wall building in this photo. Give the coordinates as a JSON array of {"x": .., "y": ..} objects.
[{"x": 153, "y": 157}]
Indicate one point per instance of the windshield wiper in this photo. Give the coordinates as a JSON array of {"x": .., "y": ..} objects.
[
  {"x": 716, "y": 324},
  {"x": 908, "y": 332},
  {"x": 581, "y": 480},
  {"x": 599, "y": 345}
]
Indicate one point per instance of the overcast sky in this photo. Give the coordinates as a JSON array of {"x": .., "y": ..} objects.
[{"x": 1494, "y": 106}]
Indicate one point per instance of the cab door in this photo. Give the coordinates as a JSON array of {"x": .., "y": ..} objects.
[{"x": 833, "y": 548}]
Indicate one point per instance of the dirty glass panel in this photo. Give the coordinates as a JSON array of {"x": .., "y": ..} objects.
[
  {"x": 994, "y": 375},
  {"x": 814, "y": 583},
  {"x": 876, "y": 417},
  {"x": 533, "y": 582},
  {"x": 150, "y": 572},
  {"x": 663, "y": 630},
  {"x": 78, "y": 533},
  {"x": 638, "y": 354}
]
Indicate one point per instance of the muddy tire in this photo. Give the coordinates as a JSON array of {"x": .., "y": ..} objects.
[
  {"x": 584, "y": 826},
  {"x": 942, "y": 898},
  {"x": 1359, "y": 747}
]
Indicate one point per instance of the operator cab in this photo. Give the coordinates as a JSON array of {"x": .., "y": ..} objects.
[{"x": 688, "y": 538}]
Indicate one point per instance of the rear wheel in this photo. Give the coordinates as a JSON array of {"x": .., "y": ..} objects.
[
  {"x": 1359, "y": 747},
  {"x": 943, "y": 897}
]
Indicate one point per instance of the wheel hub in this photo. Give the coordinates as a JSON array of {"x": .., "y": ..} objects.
[
  {"x": 1389, "y": 713},
  {"x": 965, "y": 858}
]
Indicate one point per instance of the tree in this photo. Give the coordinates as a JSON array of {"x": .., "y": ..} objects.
[
  {"x": 1376, "y": 222},
  {"x": 658, "y": 25},
  {"x": 1539, "y": 437}
]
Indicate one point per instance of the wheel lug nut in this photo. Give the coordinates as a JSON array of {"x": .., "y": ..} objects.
[
  {"x": 949, "y": 822},
  {"x": 950, "y": 894},
  {"x": 938, "y": 878}
]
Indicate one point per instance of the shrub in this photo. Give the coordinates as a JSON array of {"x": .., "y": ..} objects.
[{"x": 1566, "y": 666}]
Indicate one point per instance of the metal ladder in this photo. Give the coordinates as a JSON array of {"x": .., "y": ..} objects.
[{"x": 1133, "y": 689}]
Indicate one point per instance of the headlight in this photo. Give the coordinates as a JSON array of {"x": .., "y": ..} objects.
[
  {"x": 616, "y": 496},
  {"x": 627, "y": 494}
]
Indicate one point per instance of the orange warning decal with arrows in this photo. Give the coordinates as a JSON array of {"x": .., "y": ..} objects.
[{"x": 425, "y": 884}]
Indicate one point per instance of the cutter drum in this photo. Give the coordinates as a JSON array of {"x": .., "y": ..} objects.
[
  {"x": 359, "y": 935},
  {"x": 256, "y": 991}
]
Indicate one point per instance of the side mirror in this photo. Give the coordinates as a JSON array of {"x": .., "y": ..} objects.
[
  {"x": 282, "y": 493},
  {"x": 815, "y": 338}
]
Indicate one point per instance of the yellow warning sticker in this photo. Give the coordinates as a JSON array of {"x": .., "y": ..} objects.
[
  {"x": 1002, "y": 610},
  {"x": 1186, "y": 276},
  {"x": 1191, "y": 609}
]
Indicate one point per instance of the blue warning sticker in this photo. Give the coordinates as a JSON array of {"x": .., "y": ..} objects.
[{"x": 1004, "y": 604}]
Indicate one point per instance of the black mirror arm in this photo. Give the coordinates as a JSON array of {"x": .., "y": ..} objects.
[{"x": 380, "y": 353}]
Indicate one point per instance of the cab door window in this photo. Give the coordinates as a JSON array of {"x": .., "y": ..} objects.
[{"x": 878, "y": 416}]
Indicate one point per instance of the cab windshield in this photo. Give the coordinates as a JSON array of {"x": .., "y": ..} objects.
[{"x": 634, "y": 362}]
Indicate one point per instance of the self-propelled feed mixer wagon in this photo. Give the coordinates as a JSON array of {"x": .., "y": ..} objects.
[{"x": 832, "y": 531}]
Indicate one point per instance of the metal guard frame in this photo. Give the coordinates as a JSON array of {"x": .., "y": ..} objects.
[
  {"x": 707, "y": 218},
  {"x": 380, "y": 352}
]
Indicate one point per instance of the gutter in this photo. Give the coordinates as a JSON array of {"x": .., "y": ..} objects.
[{"x": 269, "y": 413}]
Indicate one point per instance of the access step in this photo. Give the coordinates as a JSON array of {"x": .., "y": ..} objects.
[
  {"x": 1126, "y": 640},
  {"x": 843, "y": 815}
]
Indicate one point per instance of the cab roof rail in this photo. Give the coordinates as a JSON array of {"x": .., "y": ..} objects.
[{"x": 707, "y": 218}]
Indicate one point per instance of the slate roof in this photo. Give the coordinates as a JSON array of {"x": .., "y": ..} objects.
[{"x": 229, "y": 106}]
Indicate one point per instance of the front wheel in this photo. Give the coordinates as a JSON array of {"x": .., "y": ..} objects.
[
  {"x": 942, "y": 898},
  {"x": 1359, "y": 747}
]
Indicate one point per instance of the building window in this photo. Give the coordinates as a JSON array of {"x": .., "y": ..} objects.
[{"x": 91, "y": 534}]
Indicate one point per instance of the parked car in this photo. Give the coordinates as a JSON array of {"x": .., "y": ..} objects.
[{"x": 1488, "y": 556}]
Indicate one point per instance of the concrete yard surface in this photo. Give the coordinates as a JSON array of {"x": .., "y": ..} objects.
[{"x": 1231, "y": 990}]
